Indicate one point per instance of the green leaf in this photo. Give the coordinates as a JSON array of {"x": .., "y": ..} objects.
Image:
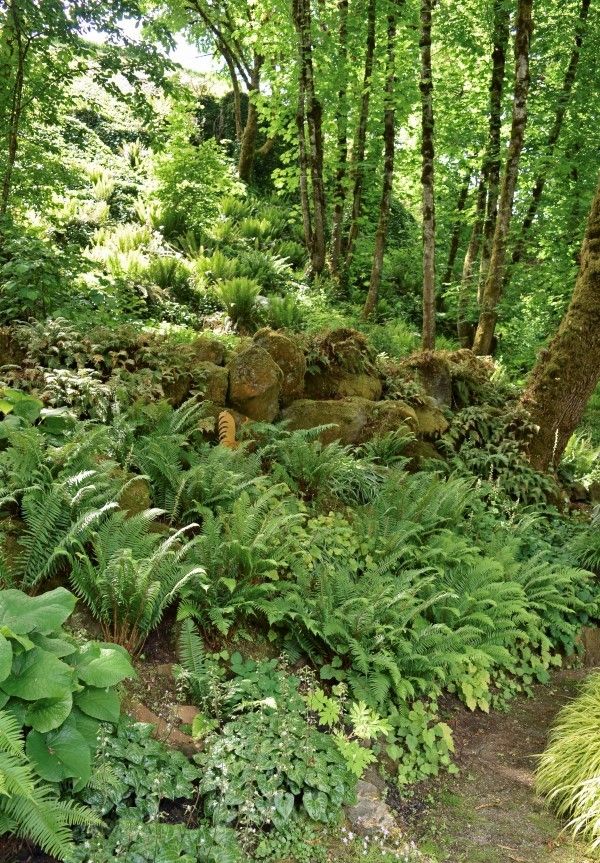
[
  {"x": 6, "y": 657},
  {"x": 37, "y": 674},
  {"x": 59, "y": 755},
  {"x": 103, "y": 704},
  {"x": 316, "y": 805},
  {"x": 43, "y": 613},
  {"x": 284, "y": 804},
  {"x": 49, "y": 713},
  {"x": 100, "y": 664}
]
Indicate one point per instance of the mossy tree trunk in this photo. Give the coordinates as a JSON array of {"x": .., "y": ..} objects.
[
  {"x": 341, "y": 122},
  {"x": 568, "y": 371},
  {"x": 427, "y": 177},
  {"x": 492, "y": 289}
]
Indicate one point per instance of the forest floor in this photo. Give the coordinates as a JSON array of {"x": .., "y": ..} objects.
[{"x": 489, "y": 813}]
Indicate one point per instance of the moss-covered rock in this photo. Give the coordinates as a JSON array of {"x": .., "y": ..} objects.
[
  {"x": 432, "y": 371},
  {"x": 339, "y": 384},
  {"x": 289, "y": 356},
  {"x": 431, "y": 421},
  {"x": 255, "y": 382},
  {"x": 355, "y": 419}
]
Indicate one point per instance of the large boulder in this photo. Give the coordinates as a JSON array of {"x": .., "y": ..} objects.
[
  {"x": 431, "y": 421},
  {"x": 340, "y": 384},
  {"x": 255, "y": 382},
  {"x": 350, "y": 417},
  {"x": 210, "y": 380},
  {"x": 355, "y": 419},
  {"x": 206, "y": 349},
  {"x": 432, "y": 371},
  {"x": 290, "y": 358}
]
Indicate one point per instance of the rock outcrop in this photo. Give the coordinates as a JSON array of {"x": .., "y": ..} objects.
[
  {"x": 290, "y": 358},
  {"x": 255, "y": 382}
]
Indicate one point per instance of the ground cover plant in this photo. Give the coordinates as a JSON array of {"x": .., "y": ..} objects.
[{"x": 298, "y": 418}]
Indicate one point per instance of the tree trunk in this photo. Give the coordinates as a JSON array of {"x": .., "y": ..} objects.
[
  {"x": 455, "y": 232},
  {"x": 303, "y": 160},
  {"x": 492, "y": 289},
  {"x": 20, "y": 45},
  {"x": 427, "y": 177},
  {"x": 568, "y": 371},
  {"x": 492, "y": 166},
  {"x": 389, "y": 128},
  {"x": 342, "y": 143},
  {"x": 312, "y": 111},
  {"x": 250, "y": 133},
  {"x": 358, "y": 155},
  {"x": 553, "y": 134}
]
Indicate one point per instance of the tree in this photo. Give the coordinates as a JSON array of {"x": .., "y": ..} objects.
[
  {"x": 309, "y": 115},
  {"x": 389, "y": 127},
  {"x": 492, "y": 288},
  {"x": 427, "y": 177},
  {"x": 568, "y": 370}
]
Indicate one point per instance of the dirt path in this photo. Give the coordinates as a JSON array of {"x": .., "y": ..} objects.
[{"x": 490, "y": 813}]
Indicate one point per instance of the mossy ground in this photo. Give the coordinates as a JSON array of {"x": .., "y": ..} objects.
[{"x": 490, "y": 812}]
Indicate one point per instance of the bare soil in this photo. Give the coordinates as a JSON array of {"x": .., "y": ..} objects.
[{"x": 490, "y": 813}]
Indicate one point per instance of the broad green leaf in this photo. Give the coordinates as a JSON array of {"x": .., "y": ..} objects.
[
  {"x": 100, "y": 664},
  {"x": 57, "y": 646},
  {"x": 37, "y": 674},
  {"x": 6, "y": 657},
  {"x": 315, "y": 803},
  {"x": 102, "y": 704},
  {"x": 49, "y": 713},
  {"x": 61, "y": 754},
  {"x": 43, "y": 613}
]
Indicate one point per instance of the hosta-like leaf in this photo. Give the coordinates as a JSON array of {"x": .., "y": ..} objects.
[
  {"x": 44, "y": 613},
  {"x": 37, "y": 674},
  {"x": 61, "y": 754},
  {"x": 6, "y": 657},
  {"x": 100, "y": 664},
  {"x": 101, "y": 704},
  {"x": 49, "y": 713}
]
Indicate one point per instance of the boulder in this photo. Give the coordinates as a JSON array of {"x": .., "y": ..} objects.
[
  {"x": 431, "y": 421},
  {"x": 343, "y": 348},
  {"x": 206, "y": 349},
  {"x": 337, "y": 383},
  {"x": 432, "y": 370},
  {"x": 420, "y": 451},
  {"x": 255, "y": 382},
  {"x": 350, "y": 416},
  {"x": 135, "y": 497},
  {"x": 590, "y": 638},
  {"x": 290, "y": 358},
  {"x": 356, "y": 419},
  {"x": 215, "y": 382},
  {"x": 371, "y": 815}
]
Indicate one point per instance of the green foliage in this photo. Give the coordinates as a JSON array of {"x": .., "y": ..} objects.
[
  {"x": 57, "y": 692},
  {"x": 134, "y": 776},
  {"x": 131, "y": 575},
  {"x": 29, "y": 808},
  {"x": 569, "y": 770},
  {"x": 285, "y": 313},
  {"x": 239, "y": 295}
]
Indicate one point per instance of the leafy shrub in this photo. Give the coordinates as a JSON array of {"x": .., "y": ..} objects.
[
  {"x": 57, "y": 692},
  {"x": 292, "y": 251},
  {"x": 569, "y": 770},
  {"x": 239, "y": 298},
  {"x": 131, "y": 575},
  {"x": 285, "y": 313},
  {"x": 134, "y": 776},
  {"x": 269, "y": 271},
  {"x": 214, "y": 268},
  {"x": 29, "y": 808},
  {"x": 266, "y": 762}
]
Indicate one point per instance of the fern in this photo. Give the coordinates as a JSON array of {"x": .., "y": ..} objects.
[{"x": 132, "y": 575}]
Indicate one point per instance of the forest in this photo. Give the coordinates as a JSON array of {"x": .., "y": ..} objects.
[{"x": 299, "y": 431}]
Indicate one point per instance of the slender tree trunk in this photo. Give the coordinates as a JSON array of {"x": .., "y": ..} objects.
[
  {"x": 235, "y": 87},
  {"x": 568, "y": 371},
  {"x": 342, "y": 142},
  {"x": 492, "y": 289},
  {"x": 463, "y": 327},
  {"x": 20, "y": 48},
  {"x": 248, "y": 142},
  {"x": 303, "y": 160},
  {"x": 313, "y": 113},
  {"x": 456, "y": 226},
  {"x": 553, "y": 135},
  {"x": 427, "y": 177},
  {"x": 389, "y": 129},
  {"x": 358, "y": 155},
  {"x": 492, "y": 168}
]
